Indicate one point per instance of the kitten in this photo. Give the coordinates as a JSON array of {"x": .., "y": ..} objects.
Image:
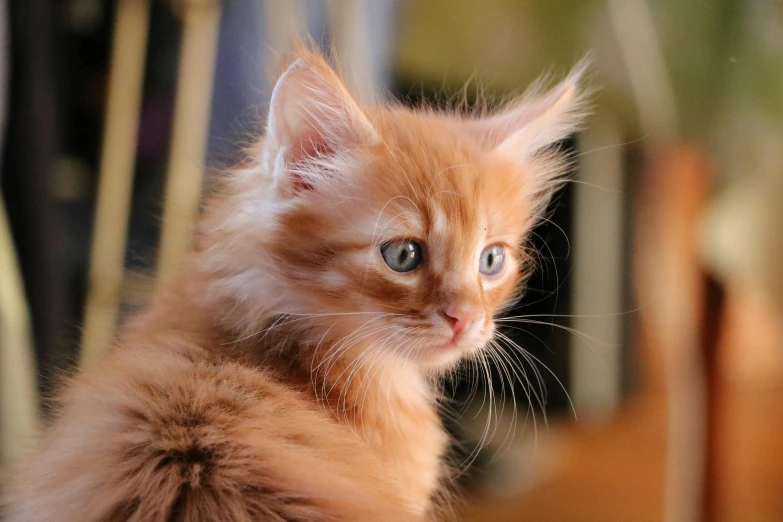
[{"x": 289, "y": 374}]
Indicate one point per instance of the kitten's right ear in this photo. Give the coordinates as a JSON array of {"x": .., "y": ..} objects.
[{"x": 312, "y": 118}]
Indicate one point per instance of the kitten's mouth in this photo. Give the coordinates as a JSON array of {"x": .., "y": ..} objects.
[
  {"x": 439, "y": 348},
  {"x": 457, "y": 343}
]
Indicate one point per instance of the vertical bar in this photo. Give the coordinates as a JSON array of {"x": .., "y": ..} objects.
[
  {"x": 713, "y": 314},
  {"x": 18, "y": 392},
  {"x": 348, "y": 23},
  {"x": 285, "y": 21},
  {"x": 118, "y": 160},
  {"x": 642, "y": 51},
  {"x": 596, "y": 358},
  {"x": 191, "y": 125},
  {"x": 673, "y": 187}
]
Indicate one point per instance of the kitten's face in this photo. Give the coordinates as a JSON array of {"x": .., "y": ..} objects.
[
  {"x": 421, "y": 250},
  {"x": 401, "y": 233}
]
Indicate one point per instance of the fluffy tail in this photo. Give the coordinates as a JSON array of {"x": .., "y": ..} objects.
[{"x": 151, "y": 440}]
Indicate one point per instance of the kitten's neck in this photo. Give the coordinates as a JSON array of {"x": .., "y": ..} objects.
[
  {"x": 390, "y": 405},
  {"x": 358, "y": 385},
  {"x": 387, "y": 402}
]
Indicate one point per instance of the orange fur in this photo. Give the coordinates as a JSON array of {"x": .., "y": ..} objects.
[{"x": 287, "y": 374}]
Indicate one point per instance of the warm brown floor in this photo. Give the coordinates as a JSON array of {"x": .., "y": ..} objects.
[
  {"x": 611, "y": 473},
  {"x": 615, "y": 473},
  {"x": 752, "y": 458}
]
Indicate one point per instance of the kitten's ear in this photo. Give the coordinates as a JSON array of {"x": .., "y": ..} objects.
[
  {"x": 538, "y": 121},
  {"x": 312, "y": 117}
]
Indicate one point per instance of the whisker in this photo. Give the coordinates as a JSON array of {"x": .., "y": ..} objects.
[{"x": 527, "y": 354}]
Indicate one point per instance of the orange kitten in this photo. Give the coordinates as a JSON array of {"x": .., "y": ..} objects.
[{"x": 287, "y": 375}]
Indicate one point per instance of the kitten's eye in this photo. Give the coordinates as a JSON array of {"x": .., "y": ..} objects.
[
  {"x": 402, "y": 255},
  {"x": 492, "y": 260}
]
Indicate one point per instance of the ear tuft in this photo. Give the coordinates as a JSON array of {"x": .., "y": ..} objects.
[
  {"x": 538, "y": 121},
  {"x": 312, "y": 116}
]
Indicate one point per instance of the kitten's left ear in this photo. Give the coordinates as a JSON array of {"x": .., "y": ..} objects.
[{"x": 537, "y": 121}]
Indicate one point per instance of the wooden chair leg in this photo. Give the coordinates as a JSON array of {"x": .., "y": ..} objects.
[
  {"x": 18, "y": 390},
  {"x": 680, "y": 310},
  {"x": 118, "y": 160},
  {"x": 185, "y": 176}
]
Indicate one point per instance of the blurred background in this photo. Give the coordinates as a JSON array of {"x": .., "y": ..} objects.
[{"x": 653, "y": 383}]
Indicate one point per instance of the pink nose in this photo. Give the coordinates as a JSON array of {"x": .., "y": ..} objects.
[{"x": 460, "y": 318}]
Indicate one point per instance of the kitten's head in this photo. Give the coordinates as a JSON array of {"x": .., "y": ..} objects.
[{"x": 404, "y": 230}]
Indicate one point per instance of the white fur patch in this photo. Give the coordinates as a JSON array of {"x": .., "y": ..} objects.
[
  {"x": 333, "y": 280},
  {"x": 439, "y": 221}
]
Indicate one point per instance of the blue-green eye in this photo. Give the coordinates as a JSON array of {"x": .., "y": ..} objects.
[
  {"x": 402, "y": 255},
  {"x": 492, "y": 260}
]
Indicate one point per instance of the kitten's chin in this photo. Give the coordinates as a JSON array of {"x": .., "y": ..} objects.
[{"x": 446, "y": 354}]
